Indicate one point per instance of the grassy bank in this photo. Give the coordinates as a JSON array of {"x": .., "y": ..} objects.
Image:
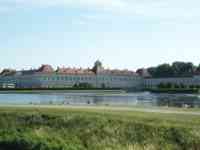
[
  {"x": 62, "y": 90},
  {"x": 174, "y": 90},
  {"x": 54, "y": 89},
  {"x": 93, "y": 129}
]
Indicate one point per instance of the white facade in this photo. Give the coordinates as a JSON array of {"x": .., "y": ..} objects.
[
  {"x": 64, "y": 78},
  {"x": 61, "y": 81},
  {"x": 46, "y": 77},
  {"x": 55, "y": 80},
  {"x": 187, "y": 81}
]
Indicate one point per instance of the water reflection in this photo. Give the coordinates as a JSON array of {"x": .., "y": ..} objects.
[
  {"x": 127, "y": 99},
  {"x": 178, "y": 100}
]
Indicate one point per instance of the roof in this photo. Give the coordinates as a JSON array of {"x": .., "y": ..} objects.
[
  {"x": 48, "y": 69},
  {"x": 75, "y": 71},
  {"x": 118, "y": 72}
]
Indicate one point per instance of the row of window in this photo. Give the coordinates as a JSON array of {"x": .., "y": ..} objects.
[
  {"x": 74, "y": 78},
  {"x": 58, "y": 78}
]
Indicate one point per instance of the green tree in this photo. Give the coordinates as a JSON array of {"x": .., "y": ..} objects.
[
  {"x": 176, "y": 86},
  {"x": 191, "y": 86},
  {"x": 161, "y": 85},
  {"x": 152, "y": 71},
  {"x": 164, "y": 70},
  {"x": 169, "y": 85},
  {"x": 182, "y": 86},
  {"x": 198, "y": 69},
  {"x": 177, "y": 69},
  {"x": 183, "y": 69}
]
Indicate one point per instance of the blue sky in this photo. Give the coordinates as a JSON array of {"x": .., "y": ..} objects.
[{"x": 121, "y": 33}]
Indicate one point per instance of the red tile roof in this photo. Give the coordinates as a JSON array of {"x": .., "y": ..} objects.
[
  {"x": 75, "y": 71},
  {"x": 46, "y": 69}
]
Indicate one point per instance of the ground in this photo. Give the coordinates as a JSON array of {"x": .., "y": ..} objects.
[{"x": 98, "y": 128}]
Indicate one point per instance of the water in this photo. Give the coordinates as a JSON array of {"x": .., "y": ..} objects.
[{"x": 124, "y": 99}]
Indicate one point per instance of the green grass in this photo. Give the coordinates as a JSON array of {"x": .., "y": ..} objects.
[
  {"x": 174, "y": 90},
  {"x": 92, "y": 129},
  {"x": 62, "y": 90}
]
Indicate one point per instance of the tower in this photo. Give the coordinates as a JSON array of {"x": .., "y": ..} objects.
[{"x": 97, "y": 67}]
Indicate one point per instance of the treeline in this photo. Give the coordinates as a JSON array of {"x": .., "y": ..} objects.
[
  {"x": 83, "y": 85},
  {"x": 177, "y": 86},
  {"x": 176, "y": 69}
]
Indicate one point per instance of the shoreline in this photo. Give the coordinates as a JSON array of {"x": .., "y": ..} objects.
[
  {"x": 60, "y": 91},
  {"x": 175, "y": 91},
  {"x": 158, "y": 110}
]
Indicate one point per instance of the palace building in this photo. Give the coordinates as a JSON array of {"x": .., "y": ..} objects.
[
  {"x": 97, "y": 77},
  {"x": 47, "y": 77}
]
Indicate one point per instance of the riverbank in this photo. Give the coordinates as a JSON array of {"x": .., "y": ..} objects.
[
  {"x": 121, "y": 108},
  {"x": 102, "y": 128},
  {"x": 60, "y": 90},
  {"x": 174, "y": 90}
]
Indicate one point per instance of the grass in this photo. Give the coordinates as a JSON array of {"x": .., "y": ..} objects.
[
  {"x": 174, "y": 90},
  {"x": 62, "y": 90},
  {"x": 35, "y": 128}
]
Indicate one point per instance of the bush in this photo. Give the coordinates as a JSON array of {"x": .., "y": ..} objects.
[
  {"x": 95, "y": 130},
  {"x": 83, "y": 85}
]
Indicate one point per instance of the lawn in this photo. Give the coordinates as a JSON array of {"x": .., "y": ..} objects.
[{"x": 36, "y": 128}]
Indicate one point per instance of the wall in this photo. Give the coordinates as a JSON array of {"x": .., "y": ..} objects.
[
  {"x": 154, "y": 82},
  {"x": 59, "y": 80}
]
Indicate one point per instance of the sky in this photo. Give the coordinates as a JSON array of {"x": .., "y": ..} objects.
[{"x": 122, "y": 34}]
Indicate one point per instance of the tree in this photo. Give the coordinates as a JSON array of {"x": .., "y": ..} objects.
[
  {"x": 197, "y": 86},
  {"x": 182, "y": 86},
  {"x": 177, "y": 69},
  {"x": 191, "y": 86},
  {"x": 152, "y": 71},
  {"x": 161, "y": 86},
  {"x": 103, "y": 86},
  {"x": 75, "y": 85},
  {"x": 183, "y": 69},
  {"x": 198, "y": 69},
  {"x": 176, "y": 86},
  {"x": 83, "y": 85},
  {"x": 164, "y": 70}
]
